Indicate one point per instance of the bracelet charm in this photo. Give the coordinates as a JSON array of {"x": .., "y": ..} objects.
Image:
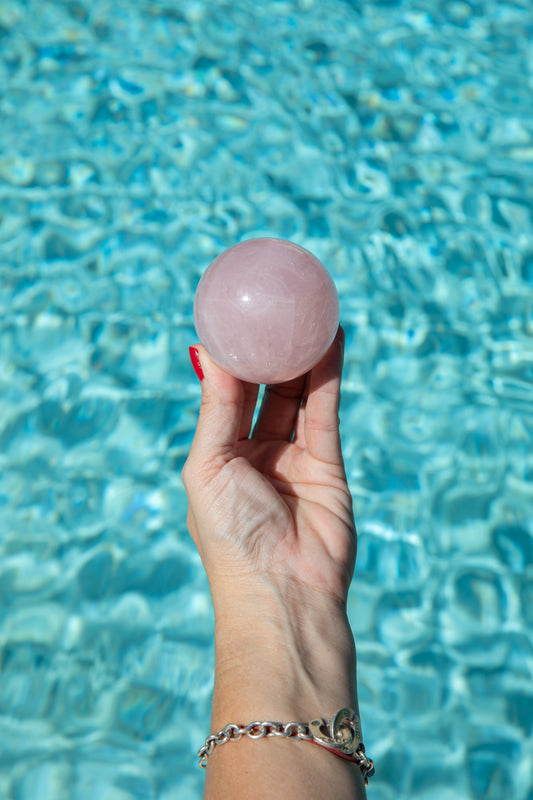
[{"x": 342, "y": 732}]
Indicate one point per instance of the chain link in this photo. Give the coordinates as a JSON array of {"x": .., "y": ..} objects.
[
  {"x": 254, "y": 730},
  {"x": 340, "y": 735}
]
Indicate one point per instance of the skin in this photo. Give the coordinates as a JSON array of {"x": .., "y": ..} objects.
[{"x": 271, "y": 515}]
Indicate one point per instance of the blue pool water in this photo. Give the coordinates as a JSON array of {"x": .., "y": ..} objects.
[{"x": 137, "y": 140}]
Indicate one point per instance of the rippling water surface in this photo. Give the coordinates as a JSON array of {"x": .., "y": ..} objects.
[{"x": 139, "y": 139}]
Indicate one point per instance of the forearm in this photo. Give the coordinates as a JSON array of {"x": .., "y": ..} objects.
[{"x": 292, "y": 661}]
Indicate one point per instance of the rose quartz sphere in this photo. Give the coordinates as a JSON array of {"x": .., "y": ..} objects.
[{"x": 266, "y": 310}]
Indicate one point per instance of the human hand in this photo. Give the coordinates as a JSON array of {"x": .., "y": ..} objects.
[
  {"x": 271, "y": 515},
  {"x": 270, "y": 509}
]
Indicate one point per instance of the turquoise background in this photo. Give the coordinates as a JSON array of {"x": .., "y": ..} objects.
[{"x": 137, "y": 141}]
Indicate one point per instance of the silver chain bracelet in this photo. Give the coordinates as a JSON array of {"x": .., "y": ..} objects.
[{"x": 341, "y": 734}]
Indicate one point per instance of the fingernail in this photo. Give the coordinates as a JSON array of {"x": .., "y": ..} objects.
[{"x": 195, "y": 361}]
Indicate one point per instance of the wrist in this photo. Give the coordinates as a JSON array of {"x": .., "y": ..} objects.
[{"x": 281, "y": 659}]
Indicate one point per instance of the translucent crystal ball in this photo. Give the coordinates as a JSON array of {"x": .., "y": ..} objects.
[{"x": 266, "y": 310}]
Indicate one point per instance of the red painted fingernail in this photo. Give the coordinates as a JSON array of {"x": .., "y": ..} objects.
[{"x": 195, "y": 361}]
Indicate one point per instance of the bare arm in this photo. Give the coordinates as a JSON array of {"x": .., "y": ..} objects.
[
  {"x": 282, "y": 667},
  {"x": 271, "y": 515}
]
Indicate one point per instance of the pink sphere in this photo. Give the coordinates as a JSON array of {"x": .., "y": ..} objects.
[{"x": 266, "y": 310}]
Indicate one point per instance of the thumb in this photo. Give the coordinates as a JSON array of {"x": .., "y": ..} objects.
[{"x": 221, "y": 410}]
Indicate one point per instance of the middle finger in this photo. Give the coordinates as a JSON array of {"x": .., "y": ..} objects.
[{"x": 279, "y": 410}]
